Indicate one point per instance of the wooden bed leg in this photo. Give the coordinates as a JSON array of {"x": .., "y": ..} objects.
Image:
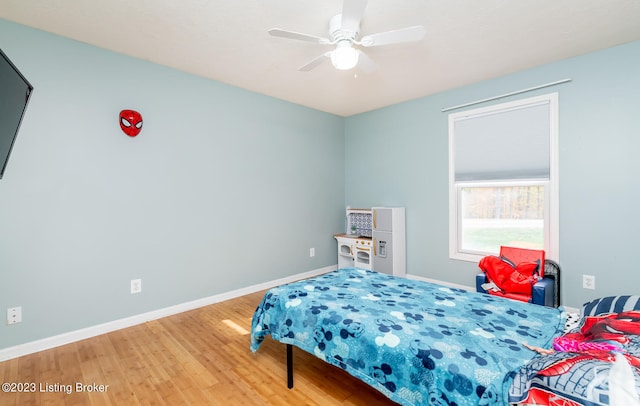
[{"x": 289, "y": 366}]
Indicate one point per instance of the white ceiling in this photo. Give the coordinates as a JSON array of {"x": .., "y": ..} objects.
[{"x": 467, "y": 41}]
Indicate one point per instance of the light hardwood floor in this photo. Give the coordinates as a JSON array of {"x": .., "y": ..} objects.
[{"x": 200, "y": 357}]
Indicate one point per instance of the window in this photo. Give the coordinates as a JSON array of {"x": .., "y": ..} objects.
[{"x": 503, "y": 178}]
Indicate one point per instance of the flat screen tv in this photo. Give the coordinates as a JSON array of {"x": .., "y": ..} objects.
[{"x": 14, "y": 96}]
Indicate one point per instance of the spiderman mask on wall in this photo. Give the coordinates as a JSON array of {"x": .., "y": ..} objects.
[{"x": 131, "y": 122}]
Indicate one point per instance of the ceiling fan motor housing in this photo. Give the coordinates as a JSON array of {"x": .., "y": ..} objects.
[{"x": 336, "y": 32}]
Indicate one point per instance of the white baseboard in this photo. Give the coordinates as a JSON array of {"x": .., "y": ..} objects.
[{"x": 77, "y": 335}]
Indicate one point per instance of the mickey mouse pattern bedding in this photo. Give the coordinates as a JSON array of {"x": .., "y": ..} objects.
[{"x": 418, "y": 343}]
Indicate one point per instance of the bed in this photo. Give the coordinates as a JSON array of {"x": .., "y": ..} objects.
[
  {"x": 596, "y": 363},
  {"x": 418, "y": 343}
]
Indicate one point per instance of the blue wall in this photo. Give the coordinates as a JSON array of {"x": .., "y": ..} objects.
[
  {"x": 223, "y": 189},
  {"x": 599, "y": 139}
]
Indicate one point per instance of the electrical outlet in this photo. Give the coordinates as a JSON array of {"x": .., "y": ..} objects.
[
  {"x": 588, "y": 281},
  {"x": 312, "y": 252},
  {"x": 14, "y": 315},
  {"x": 136, "y": 286}
]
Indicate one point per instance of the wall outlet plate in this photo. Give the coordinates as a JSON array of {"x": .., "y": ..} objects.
[
  {"x": 136, "y": 286},
  {"x": 14, "y": 315},
  {"x": 588, "y": 281}
]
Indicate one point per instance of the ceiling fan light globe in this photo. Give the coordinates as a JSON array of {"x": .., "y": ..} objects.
[{"x": 344, "y": 57}]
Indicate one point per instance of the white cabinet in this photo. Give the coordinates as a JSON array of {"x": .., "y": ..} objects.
[
  {"x": 389, "y": 252},
  {"x": 345, "y": 251},
  {"x": 354, "y": 251},
  {"x": 363, "y": 250}
]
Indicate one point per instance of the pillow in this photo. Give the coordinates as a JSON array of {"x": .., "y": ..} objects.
[{"x": 611, "y": 304}]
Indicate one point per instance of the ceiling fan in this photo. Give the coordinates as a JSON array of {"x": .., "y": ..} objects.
[{"x": 344, "y": 33}]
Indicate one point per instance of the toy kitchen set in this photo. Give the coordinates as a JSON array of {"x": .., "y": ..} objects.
[{"x": 375, "y": 239}]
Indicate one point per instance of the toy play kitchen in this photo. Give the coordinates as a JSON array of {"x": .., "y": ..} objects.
[{"x": 375, "y": 239}]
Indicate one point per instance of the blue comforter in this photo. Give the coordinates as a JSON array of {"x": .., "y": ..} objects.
[{"x": 416, "y": 342}]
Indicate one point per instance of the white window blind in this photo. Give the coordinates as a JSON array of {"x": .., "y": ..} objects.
[{"x": 508, "y": 144}]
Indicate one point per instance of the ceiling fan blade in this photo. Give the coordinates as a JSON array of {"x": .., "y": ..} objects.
[
  {"x": 352, "y": 12},
  {"x": 409, "y": 34},
  {"x": 365, "y": 63},
  {"x": 317, "y": 61},
  {"x": 277, "y": 32}
]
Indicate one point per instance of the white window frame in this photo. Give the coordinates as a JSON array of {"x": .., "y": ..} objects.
[{"x": 552, "y": 198}]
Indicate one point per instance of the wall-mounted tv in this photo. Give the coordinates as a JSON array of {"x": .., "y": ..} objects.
[{"x": 14, "y": 96}]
